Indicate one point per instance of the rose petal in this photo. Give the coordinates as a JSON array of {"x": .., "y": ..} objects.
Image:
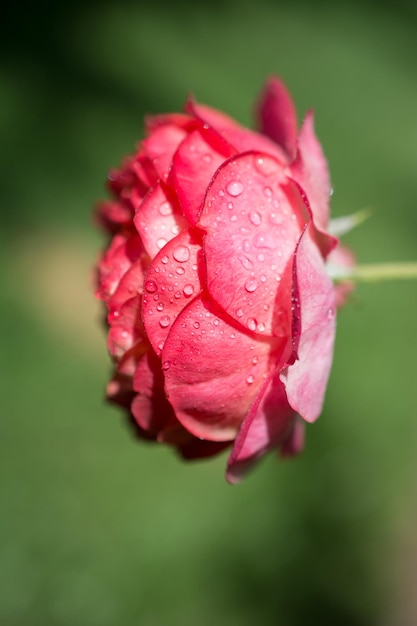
[
  {"x": 277, "y": 116},
  {"x": 253, "y": 218},
  {"x": 126, "y": 328},
  {"x": 161, "y": 145},
  {"x": 130, "y": 285},
  {"x": 213, "y": 371},
  {"x": 150, "y": 408},
  {"x": 194, "y": 165},
  {"x": 171, "y": 281},
  {"x": 294, "y": 443},
  {"x": 311, "y": 172},
  {"x": 266, "y": 424},
  {"x": 158, "y": 219},
  {"x": 242, "y": 139},
  {"x": 313, "y": 330},
  {"x": 113, "y": 215},
  {"x": 124, "y": 250}
]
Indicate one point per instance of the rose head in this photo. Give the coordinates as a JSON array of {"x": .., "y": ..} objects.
[{"x": 221, "y": 315}]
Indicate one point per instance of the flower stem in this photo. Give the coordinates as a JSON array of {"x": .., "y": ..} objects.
[{"x": 374, "y": 272}]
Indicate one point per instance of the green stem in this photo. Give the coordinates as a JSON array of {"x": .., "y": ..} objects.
[{"x": 375, "y": 272}]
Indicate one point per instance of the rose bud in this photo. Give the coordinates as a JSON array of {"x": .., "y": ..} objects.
[{"x": 220, "y": 311}]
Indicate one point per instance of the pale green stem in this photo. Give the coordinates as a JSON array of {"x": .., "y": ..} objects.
[{"x": 375, "y": 272}]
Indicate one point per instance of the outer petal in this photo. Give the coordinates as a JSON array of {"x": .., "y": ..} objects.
[
  {"x": 158, "y": 219},
  {"x": 311, "y": 172},
  {"x": 313, "y": 331},
  {"x": 124, "y": 250},
  {"x": 268, "y": 422},
  {"x": 171, "y": 281},
  {"x": 253, "y": 217},
  {"x": 277, "y": 116},
  {"x": 161, "y": 145},
  {"x": 194, "y": 165},
  {"x": 242, "y": 139},
  {"x": 126, "y": 328},
  {"x": 150, "y": 408},
  {"x": 213, "y": 371}
]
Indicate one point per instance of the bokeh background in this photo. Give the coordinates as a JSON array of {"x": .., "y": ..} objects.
[{"x": 99, "y": 530}]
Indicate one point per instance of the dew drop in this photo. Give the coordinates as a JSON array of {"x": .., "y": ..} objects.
[
  {"x": 215, "y": 322},
  {"x": 260, "y": 257},
  {"x": 164, "y": 321},
  {"x": 262, "y": 278},
  {"x": 180, "y": 271},
  {"x": 207, "y": 158},
  {"x": 239, "y": 312},
  {"x": 330, "y": 313},
  {"x": 263, "y": 241},
  {"x": 245, "y": 262},
  {"x": 188, "y": 290},
  {"x": 175, "y": 229},
  {"x": 251, "y": 285},
  {"x": 247, "y": 245},
  {"x": 181, "y": 254},
  {"x": 261, "y": 327},
  {"x": 232, "y": 336},
  {"x": 160, "y": 307},
  {"x": 164, "y": 260},
  {"x": 250, "y": 379},
  {"x": 255, "y": 218},
  {"x": 233, "y": 218},
  {"x": 151, "y": 286},
  {"x": 230, "y": 205},
  {"x": 251, "y": 323},
  {"x": 234, "y": 188},
  {"x": 265, "y": 166},
  {"x": 165, "y": 209},
  {"x": 196, "y": 324},
  {"x": 165, "y": 365},
  {"x": 255, "y": 359},
  {"x": 160, "y": 345},
  {"x": 161, "y": 242},
  {"x": 268, "y": 191}
]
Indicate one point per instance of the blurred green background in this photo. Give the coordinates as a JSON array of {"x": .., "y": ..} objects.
[{"x": 99, "y": 530}]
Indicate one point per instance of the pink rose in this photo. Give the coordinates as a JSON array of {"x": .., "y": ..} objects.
[{"x": 221, "y": 315}]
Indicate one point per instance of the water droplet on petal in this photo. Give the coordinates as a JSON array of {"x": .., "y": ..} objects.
[
  {"x": 234, "y": 188},
  {"x": 188, "y": 290},
  {"x": 164, "y": 260},
  {"x": 150, "y": 286},
  {"x": 207, "y": 158},
  {"x": 255, "y": 360},
  {"x": 165, "y": 365},
  {"x": 255, "y": 218},
  {"x": 180, "y": 271},
  {"x": 230, "y": 205},
  {"x": 330, "y": 313},
  {"x": 251, "y": 323},
  {"x": 268, "y": 191},
  {"x": 245, "y": 262},
  {"x": 262, "y": 278},
  {"x": 196, "y": 324},
  {"x": 215, "y": 322},
  {"x": 233, "y": 218},
  {"x": 160, "y": 307},
  {"x": 165, "y": 209},
  {"x": 251, "y": 285},
  {"x": 164, "y": 321},
  {"x": 161, "y": 242},
  {"x": 181, "y": 254},
  {"x": 250, "y": 379},
  {"x": 261, "y": 327},
  {"x": 239, "y": 312}
]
